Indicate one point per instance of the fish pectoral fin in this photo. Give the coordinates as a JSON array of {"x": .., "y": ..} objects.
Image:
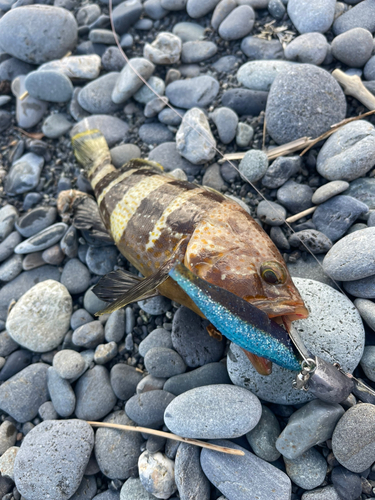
[
  {"x": 262, "y": 365},
  {"x": 86, "y": 217}
]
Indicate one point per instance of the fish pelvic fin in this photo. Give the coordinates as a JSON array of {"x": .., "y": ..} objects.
[{"x": 91, "y": 150}]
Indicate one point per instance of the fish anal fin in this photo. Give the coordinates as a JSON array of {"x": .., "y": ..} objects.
[{"x": 262, "y": 365}]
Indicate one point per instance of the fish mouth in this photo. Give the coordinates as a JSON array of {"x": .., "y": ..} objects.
[{"x": 275, "y": 310}]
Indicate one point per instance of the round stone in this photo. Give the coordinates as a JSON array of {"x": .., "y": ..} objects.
[
  {"x": 360, "y": 16},
  {"x": 260, "y": 75},
  {"x": 131, "y": 490},
  {"x": 164, "y": 362},
  {"x": 226, "y": 121},
  {"x": 295, "y": 197},
  {"x": 319, "y": 332},
  {"x": 41, "y": 317},
  {"x": 68, "y": 364},
  {"x": 309, "y": 93},
  {"x": 315, "y": 241},
  {"x": 156, "y": 472},
  {"x": 49, "y": 85},
  {"x": 366, "y": 309},
  {"x": 310, "y": 48},
  {"x": 38, "y": 33},
  {"x": 124, "y": 380},
  {"x": 197, "y": 51},
  {"x": 329, "y": 190},
  {"x": 253, "y": 165},
  {"x": 24, "y": 174},
  {"x": 263, "y": 437},
  {"x": 165, "y": 49},
  {"x": 312, "y": 16},
  {"x": 95, "y": 97},
  {"x": 199, "y": 91},
  {"x": 238, "y": 23},
  {"x": 56, "y": 125},
  {"x": 147, "y": 409},
  {"x": 113, "y": 129},
  {"x": 128, "y": 82},
  {"x": 354, "y": 47},
  {"x": 86, "y": 67},
  {"x": 307, "y": 471},
  {"x": 271, "y": 213},
  {"x": 29, "y": 111},
  {"x": 61, "y": 393}
]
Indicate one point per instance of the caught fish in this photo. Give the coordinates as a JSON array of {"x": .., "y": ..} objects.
[{"x": 157, "y": 221}]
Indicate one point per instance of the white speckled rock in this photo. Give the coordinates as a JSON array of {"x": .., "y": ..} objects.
[
  {"x": 334, "y": 331},
  {"x": 41, "y": 317},
  {"x": 197, "y": 148},
  {"x": 156, "y": 472},
  {"x": 7, "y": 462}
]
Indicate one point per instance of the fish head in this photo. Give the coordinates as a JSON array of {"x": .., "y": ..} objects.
[{"x": 229, "y": 249}]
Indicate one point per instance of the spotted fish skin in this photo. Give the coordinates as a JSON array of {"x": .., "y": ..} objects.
[{"x": 148, "y": 213}]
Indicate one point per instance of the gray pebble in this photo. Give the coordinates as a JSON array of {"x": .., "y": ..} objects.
[
  {"x": 278, "y": 237},
  {"x": 8, "y": 217},
  {"x": 61, "y": 393},
  {"x": 368, "y": 359},
  {"x": 352, "y": 440},
  {"x": 326, "y": 493},
  {"x": 281, "y": 170},
  {"x": 11, "y": 268},
  {"x": 271, "y": 213},
  {"x": 225, "y": 64},
  {"x": 105, "y": 352},
  {"x": 167, "y": 155},
  {"x": 134, "y": 490},
  {"x": 22, "y": 395},
  {"x": 308, "y": 17},
  {"x": 190, "y": 479},
  {"x": 192, "y": 341},
  {"x": 49, "y": 85},
  {"x": 12, "y": 67},
  {"x": 347, "y": 484},
  {"x": 53, "y": 33},
  {"x": 364, "y": 288},
  {"x": 263, "y": 437},
  {"x": 188, "y": 31},
  {"x": 149, "y": 383},
  {"x": 259, "y": 75},
  {"x": 47, "y": 411},
  {"x": 114, "y": 329},
  {"x": 366, "y": 309},
  {"x": 195, "y": 147},
  {"x": 145, "y": 94},
  {"x": 199, "y": 91},
  {"x": 147, "y": 409},
  {"x": 360, "y": 16},
  {"x": 124, "y": 380},
  {"x": 197, "y": 51},
  {"x": 42, "y": 240},
  {"x": 86, "y": 489},
  {"x": 117, "y": 452},
  {"x": 89, "y": 335},
  {"x": 303, "y": 87},
  {"x": 120, "y": 155},
  {"x": 369, "y": 69},
  {"x": 111, "y": 127},
  {"x": 112, "y": 495},
  {"x": 155, "y": 133},
  {"x": 157, "y": 338},
  {"x": 156, "y": 472},
  {"x": 128, "y": 82},
  {"x": 24, "y": 174},
  {"x": 310, "y": 48},
  {"x": 8, "y": 435},
  {"x": 79, "y": 318},
  {"x": 75, "y": 276},
  {"x": 254, "y": 477},
  {"x": 95, "y": 397},
  {"x": 125, "y": 15},
  {"x": 86, "y": 67},
  {"x": 37, "y": 470},
  {"x": 88, "y": 14},
  {"x": 113, "y": 60},
  {"x": 328, "y": 191},
  {"x": 226, "y": 121},
  {"x": 295, "y": 197},
  {"x": 197, "y": 9},
  {"x": 9, "y": 243},
  {"x": 363, "y": 189},
  {"x": 253, "y": 165},
  {"x": 29, "y": 111},
  {"x": 68, "y": 364},
  {"x": 259, "y": 49},
  {"x": 164, "y": 362},
  {"x": 238, "y": 23},
  {"x": 56, "y": 125},
  {"x": 308, "y": 426},
  {"x": 213, "y": 412},
  {"x": 316, "y": 241},
  {"x": 155, "y": 305},
  {"x": 169, "y": 117},
  {"x": 98, "y": 35},
  {"x": 91, "y": 302},
  {"x": 354, "y": 47},
  {"x": 222, "y": 10},
  {"x": 308, "y": 470},
  {"x": 95, "y": 97},
  {"x": 276, "y": 8},
  {"x": 349, "y": 153},
  {"x": 212, "y": 178},
  {"x": 244, "y": 134},
  {"x": 101, "y": 260},
  {"x": 349, "y": 259}
]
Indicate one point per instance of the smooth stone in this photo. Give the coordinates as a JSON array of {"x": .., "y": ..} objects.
[
  {"x": 188, "y": 32},
  {"x": 24, "y": 174},
  {"x": 7, "y": 462},
  {"x": 11, "y": 268},
  {"x": 80, "y": 317},
  {"x": 245, "y": 101},
  {"x": 271, "y": 213},
  {"x": 155, "y": 133},
  {"x": 9, "y": 244},
  {"x": 133, "y": 489},
  {"x": 95, "y": 397},
  {"x": 47, "y": 411},
  {"x": 113, "y": 129},
  {"x": 126, "y": 15},
  {"x": 222, "y": 10},
  {"x": 295, "y": 197},
  {"x": 353, "y": 438},
  {"x": 276, "y": 8},
  {"x": 30, "y": 200},
  {"x": 350, "y": 258},
  {"x": 150, "y": 383},
  {"x": 61, "y": 393},
  {"x": 220, "y": 417},
  {"x": 369, "y": 69},
  {"x": 92, "y": 303},
  {"x": 255, "y": 478},
  {"x": 95, "y": 97},
  {"x": 329, "y": 190},
  {"x": 145, "y": 94},
  {"x": 53, "y": 255},
  {"x": 368, "y": 360},
  {"x": 281, "y": 170},
  {"x": 225, "y": 64},
  {"x": 15, "y": 362},
  {"x": 147, "y": 409},
  {"x": 86, "y": 67},
  {"x": 105, "y": 352},
  {"x": 89, "y": 335},
  {"x": 194, "y": 92},
  {"x": 12, "y": 67},
  {"x": 308, "y": 470},
  {"x": 321, "y": 337},
  {"x": 49, "y": 85},
  {"x": 155, "y": 305},
  {"x": 8, "y": 217},
  {"x": 366, "y": 309},
  {"x": 326, "y": 493},
  {"x": 164, "y": 362},
  {"x": 209, "y": 374},
  {"x": 346, "y": 483},
  {"x": 312, "y": 424},
  {"x": 68, "y": 364},
  {"x": 354, "y": 47},
  {"x": 114, "y": 329},
  {"x": 300, "y": 88},
  {"x": 244, "y": 134},
  {"x": 360, "y": 16},
  {"x": 165, "y": 49},
  {"x": 169, "y": 117},
  {"x": 29, "y": 111},
  {"x": 154, "y": 107},
  {"x": 69, "y": 242},
  {"x": 363, "y": 189},
  {"x": 156, "y": 472},
  {"x": 263, "y": 437},
  {"x": 316, "y": 241},
  {"x": 259, "y": 49},
  {"x": 43, "y": 239},
  {"x": 128, "y": 82},
  {"x": 157, "y": 338},
  {"x": 364, "y": 288},
  {"x": 105, "y": 36},
  {"x": 259, "y": 75},
  {"x": 311, "y": 16},
  {"x": 45, "y": 448},
  {"x": 5, "y": 120},
  {"x": 124, "y": 380},
  {"x": 190, "y": 479},
  {"x": 32, "y": 261},
  {"x": 113, "y": 60},
  {"x": 41, "y": 317},
  {"x": 194, "y": 139},
  {"x": 86, "y": 489},
  {"x": 101, "y": 260},
  {"x": 20, "y": 285},
  {"x": 212, "y": 178},
  {"x": 335, "y": 216},
  {"x": 192, "y": 341},
  {"x": 197, "y": 51},
  {"x": 310, "y": 48},
  {"x": 88, "y": 14},
  {"x": 112, "y": 495},
  {"x": 349, "y": 153},
  {"x": 226, "y": 121},
  {"x": 75, "y": 276},
  {"x": 120, "y": 155},
  {"x": 23, "y": 394},
  {"x": 56, "y": 125},
  {"x": 8, "y": 435},
  {"x": 196, "y": 8},
  {"x": 238, "y": 23},
  {"x": 167, "y": 155},
  {"x": 117, "y": 452},
  {"x": 173, "y": 5},
  {"x": 53, "y": 31}
]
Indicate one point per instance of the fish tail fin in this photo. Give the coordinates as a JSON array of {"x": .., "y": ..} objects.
[{"x": 91, "y": 150}]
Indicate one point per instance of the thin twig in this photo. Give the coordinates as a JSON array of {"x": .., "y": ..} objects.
[
  {"x": 293, "y": 218},
  {"x": 169, "y": 435}
]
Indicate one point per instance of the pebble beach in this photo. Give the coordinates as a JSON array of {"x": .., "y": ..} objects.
[{"x": 252, "y": 75}]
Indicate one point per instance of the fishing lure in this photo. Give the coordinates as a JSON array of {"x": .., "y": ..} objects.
[{"x": 157, "y": 221}]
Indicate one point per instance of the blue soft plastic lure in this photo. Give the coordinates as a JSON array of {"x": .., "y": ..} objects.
[{"x": 240, "y": 321}]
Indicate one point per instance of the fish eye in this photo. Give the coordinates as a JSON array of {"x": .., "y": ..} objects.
[{"x": 272, "y": 273}]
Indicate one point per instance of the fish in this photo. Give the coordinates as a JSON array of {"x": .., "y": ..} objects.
[{"x": 157, "y": 221}]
